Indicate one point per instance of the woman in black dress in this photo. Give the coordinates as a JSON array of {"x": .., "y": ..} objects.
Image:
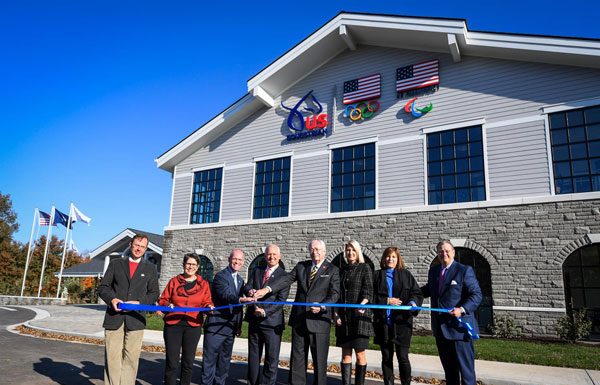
[
  {"x": 354, "y": 326},
  {"x": 395, "y": 285}
]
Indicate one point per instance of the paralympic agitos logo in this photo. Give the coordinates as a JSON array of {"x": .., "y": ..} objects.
[{"x": 313, "y": 125}]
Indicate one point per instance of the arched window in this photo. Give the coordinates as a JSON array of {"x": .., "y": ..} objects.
[
  {"x": 340, "y": 261},
  {"x": 484, "y": 314},
  {"x": 581, "y": 274},
  {"x": 206, "y": 269},
  {"x": 260, "y": 261}
]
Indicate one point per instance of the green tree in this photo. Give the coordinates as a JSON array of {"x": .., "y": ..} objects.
[{"x": 11, "y": 252}]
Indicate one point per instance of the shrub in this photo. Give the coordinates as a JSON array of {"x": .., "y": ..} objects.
[
  {"x": 574, "y": 327},
  {"x": 504, "y": 326}
]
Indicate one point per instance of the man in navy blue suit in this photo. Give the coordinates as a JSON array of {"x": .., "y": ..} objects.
[
  {"x": 222, "y": 326},
  {"x": 265, "y": 322},
  {"x": 452, "y": 285}
]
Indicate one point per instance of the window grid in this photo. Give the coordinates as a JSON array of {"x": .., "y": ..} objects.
[
  {"x": 575, "y": 139},
  {"x": 353, "y": 178},
  {"x": 206, "y": 196},
  {"x": 272, "y": 188},
  {"x": 455, "y": 170}
]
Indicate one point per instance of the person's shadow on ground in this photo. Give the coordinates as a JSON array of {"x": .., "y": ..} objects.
[{"x": 61, "y": 372}]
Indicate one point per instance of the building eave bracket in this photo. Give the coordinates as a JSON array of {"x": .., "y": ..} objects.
[
  {"x": 262, "y": 95},
  {"x": 453, "y": 46},
  {"x": 347, "y": 37}
]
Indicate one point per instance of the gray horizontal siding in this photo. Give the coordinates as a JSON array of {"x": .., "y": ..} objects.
[
  {"x": 473, "y": 88},
  {"x": 310, "y": 185},
  {"x": 401, "y": 174},
  {"x": 518, "y": 160},
  {"x": 182, "y": 188},
  {"x": 237, "y": 193}
]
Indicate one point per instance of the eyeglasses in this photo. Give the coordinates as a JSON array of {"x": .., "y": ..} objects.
[{"x": 190, "y": 265}]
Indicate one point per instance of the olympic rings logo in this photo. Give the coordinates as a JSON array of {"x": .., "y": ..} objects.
[{"x": 362, "y": 110}]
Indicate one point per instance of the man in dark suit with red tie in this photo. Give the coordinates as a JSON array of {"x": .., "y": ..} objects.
[
  {"x": 266, "y": 322},
  {"x": 318, "y": 281},
  {"x": 452, "y": 285}
]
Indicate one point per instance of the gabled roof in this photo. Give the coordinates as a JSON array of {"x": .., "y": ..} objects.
[
  {"x": 155, "y": 242},
  {"x": 347, "y": 31}
]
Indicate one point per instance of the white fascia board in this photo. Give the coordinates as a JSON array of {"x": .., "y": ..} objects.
[
  {"x": 262, "y": 95},
  {"x": 534, "y": 43},
  {"x": 294, "y": 53},
  {"x": 167, "y": 160},
  {"x": 119, "y": 237}
]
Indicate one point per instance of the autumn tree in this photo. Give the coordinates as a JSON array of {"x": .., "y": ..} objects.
[{"x": 11, "y": 252}]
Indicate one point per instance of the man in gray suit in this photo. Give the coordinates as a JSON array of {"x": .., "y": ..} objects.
[
  {"x": 265, "y": 322},
  {"x": 131, "y": 280},
  {"x": 318, "y": 281}
]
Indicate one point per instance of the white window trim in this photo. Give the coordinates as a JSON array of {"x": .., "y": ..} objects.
[
  {"x": 455, "y": 125},
  {"x": 221, "y": 200},
  {"x": 189, "y": 214},
  {"x": 204, "y": 168},
  {"x": 549, "y": 153},
  {"x": 572, "y": 105},
  {"x": 486, "y": 176},
  {"x": 350, "y": 143},
  {"x": 269, "y": 157},
  {"x": 357, "y": 142},
  {"x": 273, "y": 156}
]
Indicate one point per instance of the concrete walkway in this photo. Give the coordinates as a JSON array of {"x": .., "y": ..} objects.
[{"x": 87, "y": 321}]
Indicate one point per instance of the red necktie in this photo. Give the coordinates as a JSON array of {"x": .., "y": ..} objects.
[
  {"x": 441, "y": 282},
  {"x": 266, "y": 278}
]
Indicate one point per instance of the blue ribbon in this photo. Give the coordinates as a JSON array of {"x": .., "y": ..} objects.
[{"x": 153, "y": 308}]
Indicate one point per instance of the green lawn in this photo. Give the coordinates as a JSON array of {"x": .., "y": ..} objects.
[{"x": 491, "y": 349}]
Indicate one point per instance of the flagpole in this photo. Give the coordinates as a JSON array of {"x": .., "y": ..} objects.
[
  {"x": 62, "y": 262},
  {"x": 46, "y": 249},
  {"x": 35, "y": 214}
]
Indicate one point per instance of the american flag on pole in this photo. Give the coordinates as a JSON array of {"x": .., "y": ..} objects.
[
  {"x": 360, "y": 89},
  {"x": 417, "y": 76},
  {"x": 44, "y": 219}
]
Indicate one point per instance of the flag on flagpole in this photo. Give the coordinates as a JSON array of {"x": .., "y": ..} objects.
[
  {"x": 44, "y": 219},
  {"x": 79, "y": 216},
  {"x": 61, "y": 219},
  {"x": 72, "y": 246}
]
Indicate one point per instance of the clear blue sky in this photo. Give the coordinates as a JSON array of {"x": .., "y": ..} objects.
[{"x": 93, "y": 91}]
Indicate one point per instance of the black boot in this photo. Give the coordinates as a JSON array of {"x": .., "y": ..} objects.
[
  {"x": 359, "y": 376},
  {"x": 346, "y": 373}
]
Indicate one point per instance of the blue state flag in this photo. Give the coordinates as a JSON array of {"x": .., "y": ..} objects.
[{"x": 61, "y": 219}]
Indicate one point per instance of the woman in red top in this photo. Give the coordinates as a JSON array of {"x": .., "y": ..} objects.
[{"x": 182, "y": 329}]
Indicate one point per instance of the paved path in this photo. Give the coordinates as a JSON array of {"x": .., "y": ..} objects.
[{"x": 87, "y": 320}]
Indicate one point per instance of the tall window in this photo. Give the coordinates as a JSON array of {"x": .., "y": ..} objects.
[
  {"x": 272, "y": 188},
  {"x": 575, "y": 138},
  {"x": 206, "y": 196},
  {"x": 455, "y": 166},
  {"x": 353, "y": 178}
]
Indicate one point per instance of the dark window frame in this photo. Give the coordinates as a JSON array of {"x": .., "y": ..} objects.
[
  {"x": 272, "y": 185},
  {"x": 353, "y": 178},
  {"x": 207, "y": 188},
  {"x": 455, "y": 164},
  {"x": 575, "y": 149}
]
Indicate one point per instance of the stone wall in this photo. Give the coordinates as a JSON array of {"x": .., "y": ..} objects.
[
  {"x": 525, "y": 246},
  {"x": 17, "y": 300}
]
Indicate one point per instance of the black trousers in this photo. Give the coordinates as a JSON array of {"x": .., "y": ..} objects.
[
  {"x": 318, "y": 343},
  {"x": 397, "y": 339},
  {"x": 181, "y": 340},
  {"x": 269, "y": 339}
]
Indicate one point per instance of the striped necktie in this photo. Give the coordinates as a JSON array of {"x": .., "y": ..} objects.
[
  {"x": 313, "y": 273},
  {"x": 267, "y": 275}
]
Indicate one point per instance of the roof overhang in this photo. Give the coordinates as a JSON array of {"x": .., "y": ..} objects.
[
  {"x": 119, "y": 238},
  {"x": 350, "y": 30}
]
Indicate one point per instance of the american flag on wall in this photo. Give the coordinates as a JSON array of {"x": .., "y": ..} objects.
[
  {"x": 360, "y": 89},
  {"x": 417, "y": 76},
  {"x": 44, "y": 219}
]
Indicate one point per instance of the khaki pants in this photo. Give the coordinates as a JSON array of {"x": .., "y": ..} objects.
[{"x": 122, "y": 355}]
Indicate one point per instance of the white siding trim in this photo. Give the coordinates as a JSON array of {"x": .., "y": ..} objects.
[
  {"x": 425, "y": 167},
  {"x": 372, "y": 139},
  {"x": 376, "y": 176},
  {"x": 401, "y": 139},
  {"x": 527, "y": 308},
  {"x": 221, "y": 196},
  {"x": 455, "y": 125},
  {"x": 486, "y": 171},
  {"x": 512, "y": 122},
  {"x": 182, "y": 174},
  {"x": 189, "y": 214},
  {"x": 291, "y": 185},
  {"x": 571, "y": 105},
  {"x": 172, "y": 196},
  {"x": 239, "y": 165},
  {"x": 549, "y": 152},
  {"x": 404, "y": 209},
  {"x": 273, "y": 156},
  {"x": 253, "y": 190},
  {"x": 329, "y": 181},
  {"x": 209, "y": 167},
  {"x": 311, "y": 154}
]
